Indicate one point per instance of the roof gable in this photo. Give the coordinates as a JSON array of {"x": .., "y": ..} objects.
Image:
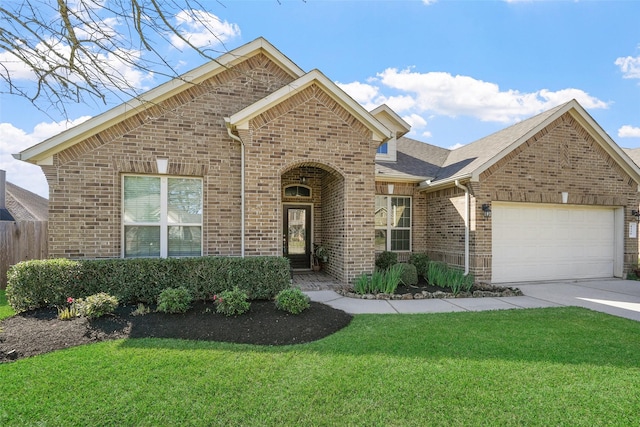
[
  {"x": 42, "y": 153},
  {"x": 241, "y": 119},
  {"x": 469, "y": 161}
]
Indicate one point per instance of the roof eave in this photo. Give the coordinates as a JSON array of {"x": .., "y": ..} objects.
[
  {"x": 429, "y": 186},
  {"x": 241, "y": 119},
  {"x": 70, "y": 137}
]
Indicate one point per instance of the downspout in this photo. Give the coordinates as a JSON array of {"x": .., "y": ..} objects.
[
  {"x": 466, "y": 225},
  {"x": 242, "y": 149}
]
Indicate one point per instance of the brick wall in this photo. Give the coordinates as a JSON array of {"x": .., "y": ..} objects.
[
  {"x": 188, "y": 129},
  {"x": 561, "y": 157},
  {"x": 311, "y": 130},
  {"x": 307, "y": 135}
]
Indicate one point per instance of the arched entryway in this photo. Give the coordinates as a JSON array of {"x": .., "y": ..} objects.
[{"x": 313, "y": 198}]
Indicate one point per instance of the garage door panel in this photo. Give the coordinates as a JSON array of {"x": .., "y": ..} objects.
[{"x": 548, "y": 242}]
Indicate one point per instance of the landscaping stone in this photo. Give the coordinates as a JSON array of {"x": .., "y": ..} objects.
[{"x": 480, "y": 290}]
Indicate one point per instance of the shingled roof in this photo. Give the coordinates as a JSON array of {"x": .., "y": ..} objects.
[
  {"x": 417, "y": 161},
  {"x": 23, "y": 205},
  {"x": 436, "y": 167}
]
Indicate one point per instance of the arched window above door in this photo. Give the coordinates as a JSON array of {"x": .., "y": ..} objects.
[{"x": 297, "y": 190}]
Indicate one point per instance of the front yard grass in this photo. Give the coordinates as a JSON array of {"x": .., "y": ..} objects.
[
  {"x": 558, "y": 366},
  {"x": 5, "y": 309}
]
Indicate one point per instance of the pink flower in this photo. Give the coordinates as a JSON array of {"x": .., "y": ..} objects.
[{"x": 70, "y": 300}]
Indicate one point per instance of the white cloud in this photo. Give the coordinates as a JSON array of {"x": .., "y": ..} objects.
[
  {"x": 363, "y": 93},
  {"x": 456, "y": 146},
  {"x": 417, "y": 95},
  {"x": 445, "y": 94},
  {"x": 429, "y": 2},
  {"x": 198, "y": 25},
  {"x": 111, "y": 62},
  {"x": 13, "y": 140},
  {"x": 627, "y": 131},
  {"x": 415, "y": 120},
  {"x": 629, "y": 66}
]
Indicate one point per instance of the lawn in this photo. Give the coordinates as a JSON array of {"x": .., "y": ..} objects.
[
  {"x": 5, "y": 309},
  {"x": 559, "y": 366}
]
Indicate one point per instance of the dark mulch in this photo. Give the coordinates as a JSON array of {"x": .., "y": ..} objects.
[{"x": 40, "y": 331}]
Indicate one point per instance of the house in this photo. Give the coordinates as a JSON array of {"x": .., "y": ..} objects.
[
  {"x": 250, "y": 155},
  {"x": 23, "y": 226}
]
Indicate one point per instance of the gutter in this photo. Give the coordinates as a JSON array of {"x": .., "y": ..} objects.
[
  {"x": 466, "y": 225},
  {"x": 242, "y": 185}
]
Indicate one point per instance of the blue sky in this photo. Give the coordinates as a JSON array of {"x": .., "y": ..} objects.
[{"x": 455, "y": 70}]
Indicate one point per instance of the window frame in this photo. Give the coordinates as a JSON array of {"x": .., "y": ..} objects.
[
  {"x": 297, "y": 196},
  {"x": 163, "y": 223},
  {"x": 389, "y": 228}
]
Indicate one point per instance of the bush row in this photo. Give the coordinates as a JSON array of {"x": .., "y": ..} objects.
[{"x": 39, "y": 283}]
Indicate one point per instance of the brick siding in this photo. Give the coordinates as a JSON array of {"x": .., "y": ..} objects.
[
  {"x": 561, "y": 157},
  {"x": 308, "y": 134}
]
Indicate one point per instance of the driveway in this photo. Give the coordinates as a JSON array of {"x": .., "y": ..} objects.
[{"x": 613, "y": 296}]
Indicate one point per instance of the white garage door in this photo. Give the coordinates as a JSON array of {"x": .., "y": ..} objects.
[{"x": 550, "y": 242}]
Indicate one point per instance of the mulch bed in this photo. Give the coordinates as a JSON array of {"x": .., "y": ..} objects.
[{"x": 40, "y": 331}]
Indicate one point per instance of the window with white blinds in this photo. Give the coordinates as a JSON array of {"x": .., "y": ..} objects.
[
  {"x": 393, "y": 223},
  {"x": 162, "y": 216}
]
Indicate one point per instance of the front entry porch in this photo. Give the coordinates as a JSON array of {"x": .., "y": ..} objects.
[{"x": 315, "y": 281}]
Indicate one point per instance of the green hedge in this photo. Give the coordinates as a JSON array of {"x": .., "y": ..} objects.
[{"x": 40, "y": 283}]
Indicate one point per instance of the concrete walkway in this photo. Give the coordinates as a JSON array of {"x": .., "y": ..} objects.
[{"x": 613, "y": 296}]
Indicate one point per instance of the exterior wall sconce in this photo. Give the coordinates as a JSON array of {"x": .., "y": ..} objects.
[
  {"x": 565, "y": 197},
  {"x": 486, "y": 210},
  {"x": 303, "y": 180},
  {"x": 390, "y": 188},
  {"x": 636, "y": 213},
  {"x": 162, "y": 164}
]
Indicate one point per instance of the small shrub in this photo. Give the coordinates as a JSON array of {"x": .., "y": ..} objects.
[
  {"x": 391, "y": 279},
  {"x": 69, "y": 311},
  {"x": 361, "y": 284},
  {"x": 377, "y": 282},
  {"x": 385, "y": 260},
  {"x": 440, "y": 274},
  {"x": 421, "y": 261},
  {"x": 174, "y": 300},
  {"x": 293, "y": 301},
  {"x": 436, "y": 274},
  {"x": 141, "y": 310},
  {"x": 231, "y": 303},
  {"x": 97, "y": 305},
  {"x": 409, "y": 274}
]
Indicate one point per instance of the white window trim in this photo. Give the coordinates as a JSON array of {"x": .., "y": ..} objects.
[
  {"x": 164, "y": 214},
  {"x": 391, "y": 154},
  {"x": 388, "y": 228}
]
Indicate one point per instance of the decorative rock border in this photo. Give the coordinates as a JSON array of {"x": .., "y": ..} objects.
[{"x": 482, "y": 290}]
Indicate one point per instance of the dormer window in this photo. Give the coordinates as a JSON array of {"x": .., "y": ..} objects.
[
  {"x": 297, "y": 191},
  {"x": 387, "y": 151}
]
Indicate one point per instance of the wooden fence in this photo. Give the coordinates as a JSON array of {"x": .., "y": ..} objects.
[{"x": 21, "y": 241}]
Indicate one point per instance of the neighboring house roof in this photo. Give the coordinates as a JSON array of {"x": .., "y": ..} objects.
[
  {"x": 42, "y": 153},
  {"x": 240, "y": 120},
  {"x": 23, "y": 205}
]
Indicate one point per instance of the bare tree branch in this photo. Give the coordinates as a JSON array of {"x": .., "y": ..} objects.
[{"x": 56, "y": 52}]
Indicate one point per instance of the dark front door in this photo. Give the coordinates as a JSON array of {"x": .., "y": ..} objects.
[{"x": 297, "y": 235}]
